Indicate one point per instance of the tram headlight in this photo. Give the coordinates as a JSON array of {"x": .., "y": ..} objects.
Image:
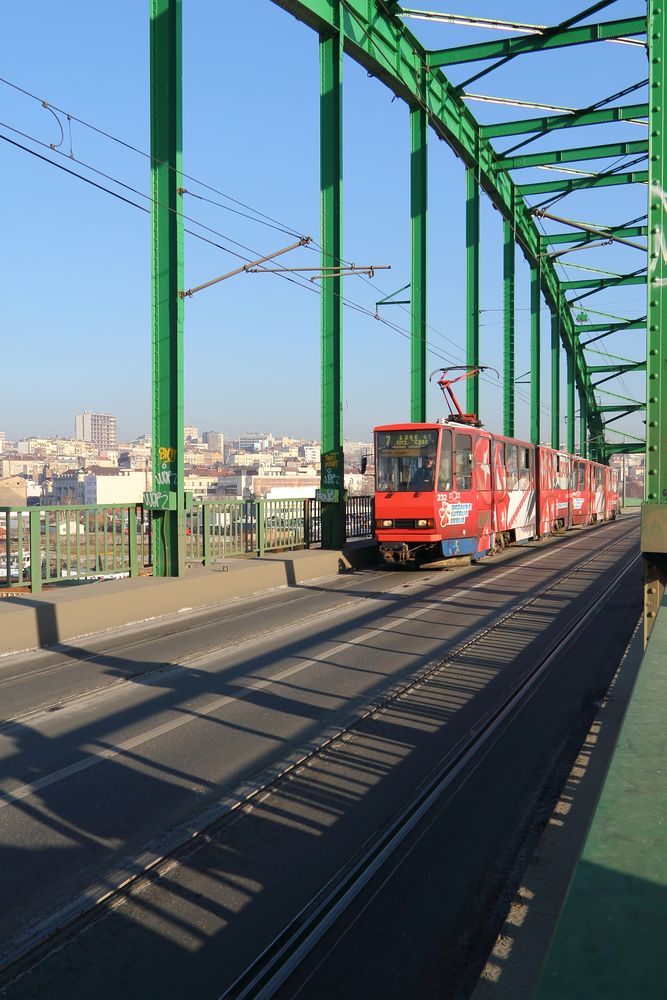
[
  {"x": 424, "y": 522},
  {"x": 384, "y": 522}
]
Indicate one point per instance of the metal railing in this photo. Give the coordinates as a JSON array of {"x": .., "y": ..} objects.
[
  {"x": 93, "y": 542},
  {"x": 43, "y": 545}
]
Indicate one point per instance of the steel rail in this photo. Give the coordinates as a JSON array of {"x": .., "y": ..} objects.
[
  {"x": 155, "y": 861},
  {"x": 288, "y": 951}
]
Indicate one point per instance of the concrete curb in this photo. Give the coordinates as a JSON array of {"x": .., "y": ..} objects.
[{"x": 33, "y": 622}]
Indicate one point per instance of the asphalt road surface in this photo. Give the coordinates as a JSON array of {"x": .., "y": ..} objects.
[{"x": 112, "y": 752}]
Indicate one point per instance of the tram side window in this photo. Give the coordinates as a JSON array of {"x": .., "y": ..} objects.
[
  {"x": 598, "y": 477},
  {"x": 463, "y": 462},
  {"x": 581, "y": 476},
  {"x": 512, "y": 466},
  {"x": 445, "y": 468},
  {"x": 524, "y": 467},
  {"x": 563, "y": 472}
]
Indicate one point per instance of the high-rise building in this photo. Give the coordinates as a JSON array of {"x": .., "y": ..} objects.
[
  {"x": 100, "y": 428},
  {"x": 215, "y": 440}
]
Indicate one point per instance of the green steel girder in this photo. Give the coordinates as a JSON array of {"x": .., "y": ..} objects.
[
  {"x": 382, "y": 44},
  {"x": 551, "y": 39},
  {"x": 597, "y": 284},
  {"x": 656, "y": 410},
  {"x": 331, "y": 340},
  {"x": 626, "y": 408},
  {"x": 167, "y": 281},
  {"x": 570, "y": 399},
  {"x": 472, "y": 287},
  {"x": 419, "y": 258},
  {"x": 633, "y": 324},
  {"x": 622, "y": 279},
  {"x": 617, "y": 369},
  {"x": 555, "y": 156},
  {"x": 535, "y": 359},
  {"x": 566, "y": 185},
  {"x": 555, "y": 380},
  {"x": 623, "y": 448},
  {"x": 551, "y": 239},
  {"x": 548, "y": 123},
  {"x": 509, "y": 327}
]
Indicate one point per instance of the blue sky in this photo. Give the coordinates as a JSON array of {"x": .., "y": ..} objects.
[{"x": 76, "y": 308}]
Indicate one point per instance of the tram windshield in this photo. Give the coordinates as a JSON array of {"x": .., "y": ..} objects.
[{"x": 406, "y": 460}]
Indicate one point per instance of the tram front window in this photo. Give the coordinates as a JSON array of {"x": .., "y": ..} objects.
[{"x": 406, "y": 461}]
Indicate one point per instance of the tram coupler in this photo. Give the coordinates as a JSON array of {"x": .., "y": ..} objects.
[{"x": 395, "y": 553}]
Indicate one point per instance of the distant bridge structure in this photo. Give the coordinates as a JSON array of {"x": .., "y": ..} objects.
[{"x": 375, "y": 34}]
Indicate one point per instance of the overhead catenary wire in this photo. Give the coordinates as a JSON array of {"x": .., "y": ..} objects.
[{"x": 257, "y": 216}]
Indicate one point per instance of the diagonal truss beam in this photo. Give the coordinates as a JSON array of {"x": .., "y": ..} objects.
[
  {"x": 549, "y": 123},
  {"x": 510, "y": 47},
  {"x": 556, "y": 156}
]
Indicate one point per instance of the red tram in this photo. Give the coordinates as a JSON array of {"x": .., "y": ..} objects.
[{"x": 452, "y": 488}]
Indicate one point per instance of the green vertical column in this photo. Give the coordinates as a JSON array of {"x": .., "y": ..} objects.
[
  {"x": 509, "y": 263},
  {"x": 418, "y": 220},
  {"x": 535, "y": 354},
  {"x": 653, "y": 539},
  {"x": 472, "y": 287},
  {"x": 656, "y": 357},
  {"x": 331, "y": 189},
  {"x": 583, "y": 426},
  {"x": 555, "y": 380},
  {"x": 167, "y": 281},
  {"x": 570, "y": 401}
]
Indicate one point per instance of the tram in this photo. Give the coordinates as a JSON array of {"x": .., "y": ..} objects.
[{"x": 453, "y": 489}]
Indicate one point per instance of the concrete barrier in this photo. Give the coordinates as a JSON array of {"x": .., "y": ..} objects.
[{"x": 63, "y": 613}]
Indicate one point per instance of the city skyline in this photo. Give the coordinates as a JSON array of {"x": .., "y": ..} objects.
[{"x": 252, "y": 343}]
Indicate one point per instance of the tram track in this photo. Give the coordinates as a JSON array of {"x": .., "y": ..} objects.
[
  {"x": 289, "y": 950},
  {"x": 139, "y": 870}
]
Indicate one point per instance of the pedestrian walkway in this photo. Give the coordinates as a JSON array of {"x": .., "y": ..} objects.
[{"x": 610, "y": 941}]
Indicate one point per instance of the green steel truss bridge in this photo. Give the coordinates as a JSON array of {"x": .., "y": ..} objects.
[{"x": 383, "y": 37}]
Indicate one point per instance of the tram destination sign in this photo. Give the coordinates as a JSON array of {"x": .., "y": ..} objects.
[{"x": 408, "y": 439}]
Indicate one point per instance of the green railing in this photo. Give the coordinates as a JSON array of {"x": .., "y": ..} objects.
[
  {"x": 221, "y": 529},
  {"x": 44, "y": 545},
  {"x": 81, "y": 542}
]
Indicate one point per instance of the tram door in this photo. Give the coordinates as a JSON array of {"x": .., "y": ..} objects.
[{"x": 484, "y": 492}]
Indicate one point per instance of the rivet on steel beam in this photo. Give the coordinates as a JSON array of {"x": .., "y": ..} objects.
[
  {"x": 653, "y": 399},
  {"x": 650, "y": 590},
  {"x": 653, "y": 423},
  {"x": 653, "y": 447},
  {"x": 653, "y": 375},
  {"x": 652, "y": 496},
  {"x": 650, "y": 614},
  {"x": 653, "y": 472}
]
